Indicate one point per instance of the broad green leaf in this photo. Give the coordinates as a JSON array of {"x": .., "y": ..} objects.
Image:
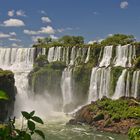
[
  {"x": 31, "y": 125},
  {"x": 40, "y": 133},
  {"x": 37, "y": 119},
  {"x": 25, "y": 115},
  {"x": 27, "y": 137},
  {"x": 32, "y": 113},
  {"x": 3, "y": 95}
]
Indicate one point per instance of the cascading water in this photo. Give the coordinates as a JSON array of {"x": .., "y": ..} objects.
[
  {"x": 88, "y": 55},
  {"x": 73, "y": 56},
  {"x": 135, "y": 83},
  {"x": 16, "y": 58},
  {"x": 99, "y": 83},
  {"x": 120, "y": 87},
  {"x": 127, "y": 94},
  {"x": 57, "y": 54},
  {"x": 51, "y": 54},
  {"x": 66, "y": 86},
  {"x": 20, "y": 61},
  {"x": 124, "y": 55},
  {"x": 93, "y": 86},
  {"x": 107, "y": 55}
]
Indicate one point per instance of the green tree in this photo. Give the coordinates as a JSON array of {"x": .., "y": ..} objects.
[
  {"x": 72, "y": 40},
  {"x": 118, "y": 39},
  {"x": 48, "y": 40}
]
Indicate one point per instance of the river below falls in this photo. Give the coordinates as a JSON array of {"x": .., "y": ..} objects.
[{"x": 56, "y": 129}]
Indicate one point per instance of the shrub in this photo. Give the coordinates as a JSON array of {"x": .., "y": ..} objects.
[
  {"x": 9, "y": 132},
  {"x": 134, "y": 133}
]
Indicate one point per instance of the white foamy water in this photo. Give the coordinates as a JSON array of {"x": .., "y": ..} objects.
[
  {"x": 120, "y": 87},
  {"x": 107, "y": 55},
  {"x": 124, "y": 55},
  {"x": 99, "y": 83},
  {"x": 66, "y": 86}
]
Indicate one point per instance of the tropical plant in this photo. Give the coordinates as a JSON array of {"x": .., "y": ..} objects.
[{"x": 10, "y": 132}]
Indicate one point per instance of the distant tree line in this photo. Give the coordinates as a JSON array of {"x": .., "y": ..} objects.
[{"x": 79, "y": 41}]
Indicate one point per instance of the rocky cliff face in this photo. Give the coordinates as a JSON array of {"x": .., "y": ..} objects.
[{"x": 7, "y": 85}]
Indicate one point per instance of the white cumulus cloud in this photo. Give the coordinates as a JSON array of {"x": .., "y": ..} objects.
[
  {"x": 124, "y": 4},
  {"x": 47, "y": 30},
  {"x": 13, "y": 23},
  {"x": 3, "y": 35},
  {"x": 46, "y": 19},
  {"x": 11, "y": 13},
  {"x": 20, "y": 13},
  {"x": 30, "y": 32},
  {"x": 43, "y": 30}
]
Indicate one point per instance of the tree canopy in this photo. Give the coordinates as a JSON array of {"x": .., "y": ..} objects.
[
  {"x": 67, "y": 40},
  {"x": 118, "y": 39}
]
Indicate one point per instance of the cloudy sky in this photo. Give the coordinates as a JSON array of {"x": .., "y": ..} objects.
[{"x": 23, "y": 21}]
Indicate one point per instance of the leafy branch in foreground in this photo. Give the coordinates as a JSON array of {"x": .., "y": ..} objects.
[{"x": 10, "y": 132}]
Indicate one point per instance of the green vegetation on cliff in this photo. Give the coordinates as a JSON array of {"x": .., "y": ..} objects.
[
  {"x": 7, "y": 91},
  {"x": 3, "y": 95},
  {"x": 137, "y": 63},
  {"x": 81, "y": 78},
  {"x": 134, "y": 133},
  {"x": 110, "y": 115},
  {"x": 117, "y": 39},
  {"x": 118, "y": 109}
]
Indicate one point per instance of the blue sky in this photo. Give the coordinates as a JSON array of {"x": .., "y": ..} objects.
[{"x": 23, "y": 21}]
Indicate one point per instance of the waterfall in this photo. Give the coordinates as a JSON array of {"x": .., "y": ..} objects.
[
  {"x": 88, "y": 55},
  {"x": 57, "y": 54},
  {"x": 99, "y": 83},
  {"x": 124, "y": 55},
  {"x": 51, "y": 54},
  {"x": 16, "y": 58},
  {"x": 127, "y": 94},
  {"x": 43, "y": 51},
  {"x": 135, "y": 83},
  {"x": 66, "y": 86},
  {"x": 120, "y": 87},
  {"x": 107, "y": 55},
  {"x": 20, "y": 61},
  {"x": 93, "y": 86},
  {"x": 67, "y": 55},
  {"x": 73, "y": 56},
  {"x": 78, "y": 53}
]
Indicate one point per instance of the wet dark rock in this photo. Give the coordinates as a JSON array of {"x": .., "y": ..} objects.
[{"x": 7, "y": 85}]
